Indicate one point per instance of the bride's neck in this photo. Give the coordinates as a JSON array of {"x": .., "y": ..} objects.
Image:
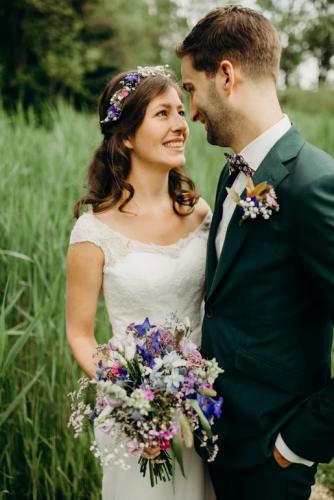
[{"x": 151, "y": 190}]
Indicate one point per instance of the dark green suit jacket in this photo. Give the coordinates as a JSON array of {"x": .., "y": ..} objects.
[{"x": 269, "y": 312}]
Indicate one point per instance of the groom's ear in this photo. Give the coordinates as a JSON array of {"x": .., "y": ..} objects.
[{"x": 226, "y": 76}]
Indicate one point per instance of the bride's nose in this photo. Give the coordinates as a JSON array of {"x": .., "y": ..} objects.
[{"x": 179, "y": 124}]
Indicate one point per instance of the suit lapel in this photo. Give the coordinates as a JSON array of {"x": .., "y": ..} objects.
[
  {"x": 272, "y": 170},
  {"x": 211, "y": 262}
]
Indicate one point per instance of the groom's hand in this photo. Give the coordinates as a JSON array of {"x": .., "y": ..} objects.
[{"x": 282, "y": 462}]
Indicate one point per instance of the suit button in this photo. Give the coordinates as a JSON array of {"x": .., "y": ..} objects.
[{"x": 209, "y": 313}]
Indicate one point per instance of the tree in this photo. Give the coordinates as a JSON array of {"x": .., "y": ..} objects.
[
  {"x": 289, "y": 19},
  {"x": 319, "y": 37},
  {"x": 41, "y": 53},
  {"x": 72, "y": 47}
]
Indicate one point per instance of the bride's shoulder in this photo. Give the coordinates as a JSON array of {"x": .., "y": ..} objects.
[
  {"x": 86, "y": 228},
  {"x": 202, "y": 210}
]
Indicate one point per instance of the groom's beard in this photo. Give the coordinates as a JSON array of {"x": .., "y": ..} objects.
[
  {"x": 219, "y": 131},
  {"x": 220, "y": 122}
]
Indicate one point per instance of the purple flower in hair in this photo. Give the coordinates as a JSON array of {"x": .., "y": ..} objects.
[
  {"x": 132, "y": 78},
  {"x": 113, "y": 112}
]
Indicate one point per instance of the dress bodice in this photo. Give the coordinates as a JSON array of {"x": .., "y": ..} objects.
[{"x": 147, "y": 280}]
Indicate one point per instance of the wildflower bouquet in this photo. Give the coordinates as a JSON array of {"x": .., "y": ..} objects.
[{"x": 153, "y": 390}]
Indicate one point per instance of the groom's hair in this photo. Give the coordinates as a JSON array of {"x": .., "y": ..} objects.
[{"x": 241, "y": 35}]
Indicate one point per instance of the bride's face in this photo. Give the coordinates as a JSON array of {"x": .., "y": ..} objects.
[{"x": 160, "y": 139}]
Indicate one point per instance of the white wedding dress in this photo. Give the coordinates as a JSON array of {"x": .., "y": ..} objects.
[{"x": 146, "y": 280}]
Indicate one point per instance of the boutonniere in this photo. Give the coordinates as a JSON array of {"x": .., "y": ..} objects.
[{"x": 257, "y": 201}]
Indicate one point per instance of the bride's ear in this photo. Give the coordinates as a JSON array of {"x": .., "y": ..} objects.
[{"x": 128, "y": 143}]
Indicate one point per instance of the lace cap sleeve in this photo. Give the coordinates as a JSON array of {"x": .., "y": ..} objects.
[{"x": 85, "y": 230}]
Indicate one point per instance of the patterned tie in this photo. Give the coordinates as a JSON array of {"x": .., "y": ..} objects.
[{"x": 237, "y": 163}]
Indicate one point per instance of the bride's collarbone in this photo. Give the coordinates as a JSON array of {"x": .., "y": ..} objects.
[{"x": 152, "y": 228}]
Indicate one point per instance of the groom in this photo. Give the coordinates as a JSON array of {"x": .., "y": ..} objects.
[{"x": 270, "y": 282}]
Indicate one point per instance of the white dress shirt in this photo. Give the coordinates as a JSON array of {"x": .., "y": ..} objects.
[{"x": 254, "y": 153}]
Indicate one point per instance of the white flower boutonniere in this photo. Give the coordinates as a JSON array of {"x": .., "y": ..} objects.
[{"x": 257, "y": 201}]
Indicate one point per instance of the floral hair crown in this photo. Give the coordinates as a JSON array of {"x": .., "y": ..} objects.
[{"x": 128, "y": 84}]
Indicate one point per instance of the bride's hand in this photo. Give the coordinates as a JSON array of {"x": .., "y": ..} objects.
[{"x": 151, "y": 453}]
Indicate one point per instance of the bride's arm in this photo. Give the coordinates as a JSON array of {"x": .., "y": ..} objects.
[{"x": 84, "y": 280}]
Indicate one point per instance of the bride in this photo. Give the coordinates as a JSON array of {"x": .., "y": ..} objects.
[{"x": 143, "y": 242}]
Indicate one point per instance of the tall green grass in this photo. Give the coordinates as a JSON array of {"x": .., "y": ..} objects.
[{"x": 42, "y": 171}]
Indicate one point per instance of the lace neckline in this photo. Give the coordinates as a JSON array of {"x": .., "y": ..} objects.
[{"x": 177, "y": 244}]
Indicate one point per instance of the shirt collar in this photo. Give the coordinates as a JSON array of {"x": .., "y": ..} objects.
[{"x": 255, "y": 152}]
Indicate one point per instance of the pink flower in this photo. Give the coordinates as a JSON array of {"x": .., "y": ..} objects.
[
  {"x": 164, "y": 444},
  {"x": 149, "y": 395},
  {"x": 272, "y": 199},
  {"x": 124, "y": 93},
  {"x": 116, "y": 368},
  {"x": 187, "y": 347}
]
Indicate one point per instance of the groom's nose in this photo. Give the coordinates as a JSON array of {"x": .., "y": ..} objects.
[{"x": 194, "y": 115}]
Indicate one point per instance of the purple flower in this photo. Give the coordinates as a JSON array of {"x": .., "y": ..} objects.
[
  {"x": 100, "y": 371},
  {"x": 210, "y": 406},
  {"x": 156, "y": 341},
  {"x": 113, "y": 112},
  {"x": 146, "y": 355},
  {"x": 143, "y": 327},
  {"x": 218, "y": 407},
  {"x": 132, "y": 78}
]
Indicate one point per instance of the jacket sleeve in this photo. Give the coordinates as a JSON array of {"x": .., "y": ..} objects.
[{"x": 310, "y": 432}]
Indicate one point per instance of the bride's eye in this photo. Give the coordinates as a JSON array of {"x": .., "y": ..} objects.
[
  {"x": 163, "y": 112},
  {"x": 182, "y": 112}
]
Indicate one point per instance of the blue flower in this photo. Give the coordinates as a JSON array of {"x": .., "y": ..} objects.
[
  {"x": 123, "y": 373},
  {"x": 156, "y": 341},
  {"x": 217, "y": 411},
  {"x": 132, "y": 78},
  {"x": 144, "y": 327},
  {"x": 210, "y": 406},
  {"x": 113, "y": 112},
  {"x": 146, "y": 355}
]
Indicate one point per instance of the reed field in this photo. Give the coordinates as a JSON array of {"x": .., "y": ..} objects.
[{"x": 42, "y": 172}]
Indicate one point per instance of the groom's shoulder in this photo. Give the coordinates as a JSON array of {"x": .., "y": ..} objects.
[{"x": 310, "y": 164}]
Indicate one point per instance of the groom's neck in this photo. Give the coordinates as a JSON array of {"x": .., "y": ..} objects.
[{"x": 259, "y": 110}]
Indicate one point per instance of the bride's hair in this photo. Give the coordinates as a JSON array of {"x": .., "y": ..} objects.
[{"x": 110, "y": 167}]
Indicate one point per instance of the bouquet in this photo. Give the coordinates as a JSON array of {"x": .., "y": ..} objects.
[{"x": 153, "y": 390}]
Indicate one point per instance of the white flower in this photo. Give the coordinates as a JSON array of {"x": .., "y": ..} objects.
[
  {"x": 124, "y": 343},
  {"x": 213, "y": 370},
  {"x": 113, "y": 390},
  {"x": 139, "y": 401},
  {"x": 173, "y": 381},
  {"x": 173, "y": 360}
]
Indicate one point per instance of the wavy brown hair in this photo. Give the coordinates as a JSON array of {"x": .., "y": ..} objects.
[{"x": 110, "y": 167}]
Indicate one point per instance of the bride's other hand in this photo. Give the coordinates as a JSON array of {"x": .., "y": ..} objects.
[{"x": 151, "y": 453}]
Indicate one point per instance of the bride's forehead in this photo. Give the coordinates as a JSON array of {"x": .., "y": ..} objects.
[{"x": 170, "y": 97}]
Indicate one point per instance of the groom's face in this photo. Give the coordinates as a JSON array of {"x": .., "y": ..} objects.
[{"x": 207, "y": 105}]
